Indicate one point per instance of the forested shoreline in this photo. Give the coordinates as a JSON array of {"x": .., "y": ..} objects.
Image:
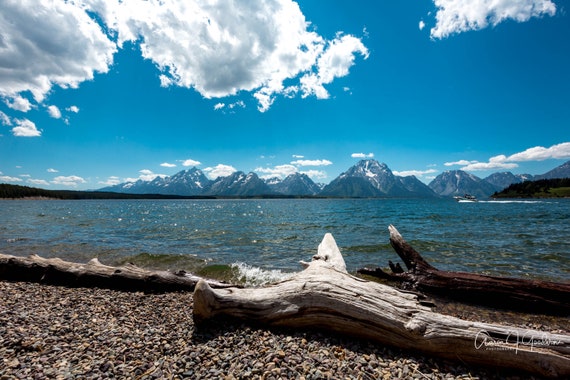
[{"x": 543, "y": 188}]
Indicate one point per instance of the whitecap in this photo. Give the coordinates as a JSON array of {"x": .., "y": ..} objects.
[{"x": 254, "y": 276}]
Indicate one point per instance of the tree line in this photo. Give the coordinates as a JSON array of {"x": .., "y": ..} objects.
[
  {"x": 543, "y": 188},
  {"x": 8, "y": 191}
]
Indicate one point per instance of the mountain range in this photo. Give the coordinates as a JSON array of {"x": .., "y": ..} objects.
[{"x": 366, "y": 179}]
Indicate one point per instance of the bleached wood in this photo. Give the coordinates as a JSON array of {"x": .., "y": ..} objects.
[
  {"x": 128, "y": 277},
  {"x": 325, "y": 296}
]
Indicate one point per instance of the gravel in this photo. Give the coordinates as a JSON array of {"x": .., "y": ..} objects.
[{"x": 49, "y": 332}]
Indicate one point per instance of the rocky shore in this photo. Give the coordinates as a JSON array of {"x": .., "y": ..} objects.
[{"x": 49, "y": 332}]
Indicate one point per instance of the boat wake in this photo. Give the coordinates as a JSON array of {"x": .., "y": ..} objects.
[{"x": 511, "y": 201}]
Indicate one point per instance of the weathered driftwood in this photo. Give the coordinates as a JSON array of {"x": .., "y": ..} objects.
[
  {"x": 325, "y": 296},
  {"x": 508, "y": 293},
  {"x": 94, "y": 274}
]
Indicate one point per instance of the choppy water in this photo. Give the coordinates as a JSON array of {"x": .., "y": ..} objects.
[{"x": 265, "y": 239}]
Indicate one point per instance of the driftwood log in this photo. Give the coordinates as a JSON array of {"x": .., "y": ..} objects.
[
  {"x": 94, "y": 274},
  {"x": 325, "y": 296},
  {"x": 508, "y": 293}
]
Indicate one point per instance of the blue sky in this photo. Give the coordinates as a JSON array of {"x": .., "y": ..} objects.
[{"x": 96, "y": 93}]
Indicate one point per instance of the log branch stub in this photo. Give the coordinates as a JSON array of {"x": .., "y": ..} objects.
[{"x": 325, "y": 296}]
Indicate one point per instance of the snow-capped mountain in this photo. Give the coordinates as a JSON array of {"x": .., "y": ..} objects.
[
  {"x": 185, "y": 182},
  {"x": 562, "y": 171},
  {"x": 293, "y": 184},
  {"x": 369, "y": 178},
  {"x": 505, "y": 179},
  {"x": 238, "y": 184},
  {"x": 458, "y": 182}
]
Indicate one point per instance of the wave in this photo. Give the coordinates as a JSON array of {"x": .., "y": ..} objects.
[
  {"x": 249, "y": 275},
  {"x": 511, "y": 201}
]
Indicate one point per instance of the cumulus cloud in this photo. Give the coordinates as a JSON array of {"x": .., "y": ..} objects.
[
  {"x": 334, "y": 62},
  {"x": 362, "y": 155},
  {"x": 539, "y": 153},
  {"x": 220, "y": 49},
  {"x": 52, "y": 170},
  {"x": 417, "y": 173},
  {"x": 315, "y": 174},
  {"x": 219, "y": 170},
  {"x": 422, "y": 25},
  {"x": 37, "y": 182},
  {"x": 25, "y": 128},
  {"x": 168, "y": 165},
  {"x": 71, "y": 180},
  {"x": 191, "y": 162},
  {"x": 15, "y": 101},
  {"x": 149, "y": 175},
  {"x": 5, "y": 119},
  {"x": 281, "y": 171},
  {"x": 6, "y": 178},
  {"x": 47, "y": 43},
  {"x": 54, "y": 112},
  {"x": 457, "y": 16},
  {"x": 311, "y": 162},
  {"x": 111, "y": 181},
  {"x": 460, "y": 162}
]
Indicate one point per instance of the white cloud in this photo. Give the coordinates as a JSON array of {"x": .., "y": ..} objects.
[
  {"x": 456, "y": 16},
  {"x": 230, "y": 106},
  {"x": 190, "y": 162},
  {"x": 5, "y": 119},
  {"x": 112, "y": 181},
  {"x": 220, "y": 170},
  {"x": 54, "y": 112},
  {"x": 25, "y": 128},
  {"x": 422, "y": 25},
  {"x": 489, "y": 166},
  {"x": 333, "y": 63},
  {"x": 362, "y": 155},
  {"x": 73, "y": 109},
  {"x": 71, "y": 180},
  {"x": 42, "y": 182},
  {"x": 5, "y": 178},
  {"x": 222, "y": 48},
  {"x": 149, "y": 175},
  {"x": 278, "y": 171},
  {"x": 315, "y": 174},
  {"x": 417, "y": 173},
  {"x": 460, "y": 162},
  {"x": 47, "y": 43},
  {"x": 297, "y": 156},
  {"x": 52, "y": 170},
  {"x": 16, "y": 102},
  {"x": 311, "y": 162},
  {"x": 167, "y": 165},
  {"x": 539, "y": 153}
]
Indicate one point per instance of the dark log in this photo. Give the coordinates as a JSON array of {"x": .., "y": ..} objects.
[
  {"x": 508, "y": 293},
  {"x": 325, "y": 296},
  {"x": 94, "y": 274}
]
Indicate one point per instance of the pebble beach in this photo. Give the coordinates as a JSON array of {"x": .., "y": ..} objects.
[{"x": 53, "y": 332}]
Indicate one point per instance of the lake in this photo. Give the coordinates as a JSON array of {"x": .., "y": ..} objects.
[{"x": 264, "y": 239}]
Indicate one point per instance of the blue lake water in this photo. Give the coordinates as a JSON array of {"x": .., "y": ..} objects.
[{"x": 267, "y": 238}]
